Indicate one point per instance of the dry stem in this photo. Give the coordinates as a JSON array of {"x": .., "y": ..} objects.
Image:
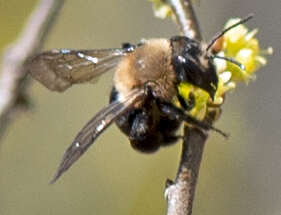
[
  {"x": 180, "y": 193},
  {"x": 186, "y": 18},
  {"x": 12, "y": 80}
]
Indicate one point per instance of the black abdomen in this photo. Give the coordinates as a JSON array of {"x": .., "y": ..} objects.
[{"x": 147, "y": 128}]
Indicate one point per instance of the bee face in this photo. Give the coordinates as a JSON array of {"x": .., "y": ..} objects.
[{"x": 193, "y": 65}]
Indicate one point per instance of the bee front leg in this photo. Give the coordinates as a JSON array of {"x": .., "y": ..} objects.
[{"x": 178, "y": 114}]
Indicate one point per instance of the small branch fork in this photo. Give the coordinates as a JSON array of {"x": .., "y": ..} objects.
[
  {"x": 180, "y": 193},
  {"x": 12, "y": 80}
]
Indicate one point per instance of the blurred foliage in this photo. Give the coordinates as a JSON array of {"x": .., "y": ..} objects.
[{"x": 12, "y": 18}]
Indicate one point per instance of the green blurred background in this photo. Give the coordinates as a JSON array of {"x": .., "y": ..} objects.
[{"x": 239, "y": 176}]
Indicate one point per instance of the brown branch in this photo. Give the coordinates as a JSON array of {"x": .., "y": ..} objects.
[
  {"x": 12, "y": 80},
  {"x": 186, "y": 18},
  {"x": 180, "y": 194}
]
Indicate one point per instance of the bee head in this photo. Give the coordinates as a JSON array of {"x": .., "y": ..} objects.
[{"x": 192, "y": 64}]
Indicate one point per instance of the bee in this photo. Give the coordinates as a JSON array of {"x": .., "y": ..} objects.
[{"x": 146, "y": 80}]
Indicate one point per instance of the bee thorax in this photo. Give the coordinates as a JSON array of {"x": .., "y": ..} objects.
[{"x": 149, "y": 63}]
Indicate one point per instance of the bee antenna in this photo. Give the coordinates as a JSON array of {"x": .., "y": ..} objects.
[
  {"x": 231, "y": 60},
  {"x": 220, "y": 34}
]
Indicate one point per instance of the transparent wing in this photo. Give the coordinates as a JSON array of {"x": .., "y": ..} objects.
[
  {"x": 58, "y": 69},
  {"x": 94, "y": 128}
]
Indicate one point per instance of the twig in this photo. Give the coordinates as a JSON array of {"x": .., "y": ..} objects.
[
  {"x": 180, "y": 193},
  {"x": 187, "y": 21},
  {"x": 12, "y": 80}
]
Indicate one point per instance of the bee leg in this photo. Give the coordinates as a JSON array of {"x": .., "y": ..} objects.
[
  {"x": 148, "y": 90},
  {"x": 178, "y": 114},
  {"x": 186, "y": 104}
]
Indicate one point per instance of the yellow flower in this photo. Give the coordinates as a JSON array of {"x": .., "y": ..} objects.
[
  {"x": 161, "y": 10},
  {"x": 241, "y": 45}
]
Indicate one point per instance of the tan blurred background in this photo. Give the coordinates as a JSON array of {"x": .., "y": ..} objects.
[{"x": 238, "y": 176}]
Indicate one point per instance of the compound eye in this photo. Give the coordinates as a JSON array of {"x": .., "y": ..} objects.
[
  {"x": 178, "y": 63},
  {"x": 193, "y": 71}
]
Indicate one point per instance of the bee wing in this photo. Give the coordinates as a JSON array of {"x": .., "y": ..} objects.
[
  {"x": 90, "y": 132},
  {"x": 58, "y": 69}
]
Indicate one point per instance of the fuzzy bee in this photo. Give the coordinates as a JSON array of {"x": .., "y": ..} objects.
[{"x": 146, "y": 80}]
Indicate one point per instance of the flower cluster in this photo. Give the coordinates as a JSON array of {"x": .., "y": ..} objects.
[
  {"x": 161, "y": 9},
  {"x": 241, "y": 45}
]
